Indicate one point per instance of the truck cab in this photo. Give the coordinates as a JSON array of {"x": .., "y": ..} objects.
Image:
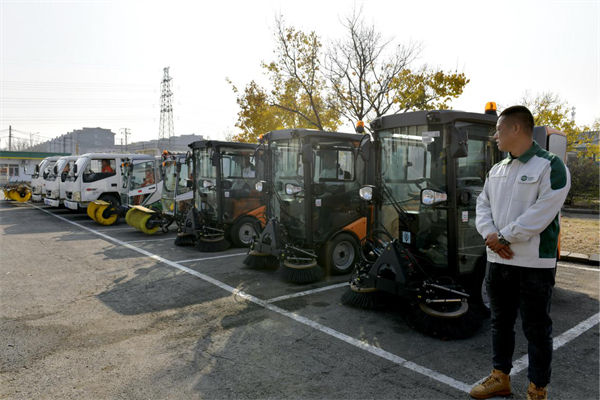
[
  {"x": 41, "y": 170},
  {"x": 54, "y": 183}
]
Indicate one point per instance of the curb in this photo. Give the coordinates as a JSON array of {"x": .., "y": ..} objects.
[
  {"x": 580, "y": 211},
  {"x": 593, "y": 259}
]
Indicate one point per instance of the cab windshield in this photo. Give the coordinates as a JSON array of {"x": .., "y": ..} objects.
[
  {"x": 206, "y": 198},
  {"x": 81, "y": 163},
  {"x": 412, "y": 159},
  {"x": 48, "y": 169}
]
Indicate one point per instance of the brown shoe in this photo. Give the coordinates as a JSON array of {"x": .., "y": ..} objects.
[
  {"x": 536, "y": 392},
  {"x": 497, "y": 384}
]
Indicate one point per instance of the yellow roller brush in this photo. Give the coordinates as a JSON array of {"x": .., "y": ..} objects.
[
  {"x": 91, "y": 209},
  {"x": 143, "y": 227},
  {"x": 134, "y": 218},
  {"x": 105, "y": 221}
]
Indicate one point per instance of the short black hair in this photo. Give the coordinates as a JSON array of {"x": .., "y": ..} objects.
[{"x": 522, "y": 115}]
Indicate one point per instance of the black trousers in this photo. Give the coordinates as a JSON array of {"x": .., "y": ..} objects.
[{"x": 529, "y": 290}]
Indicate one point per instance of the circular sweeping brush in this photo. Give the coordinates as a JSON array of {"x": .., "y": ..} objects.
[
  {"x": 258, "y": 261},
  {"x": 185, "y": 239},
  {"x": 445, "y": 326},
  {"x": 212, "y": 245},
  {"x": 300, "y": 273},
  {"x": 364, "y": 297}
]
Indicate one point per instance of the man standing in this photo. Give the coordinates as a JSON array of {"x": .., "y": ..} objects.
[{"x": 518, "y": 216}]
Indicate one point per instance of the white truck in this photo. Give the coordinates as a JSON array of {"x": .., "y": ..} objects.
[
  {"x": 54, "y": 184},
  {"x": 98, "y": 176},
  {"x": 41, "y": 170}
]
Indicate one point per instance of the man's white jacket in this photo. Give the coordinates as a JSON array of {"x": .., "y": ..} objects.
[{"x": 521, "y": 199}]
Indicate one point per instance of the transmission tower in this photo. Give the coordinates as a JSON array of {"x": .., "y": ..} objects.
[{"x": 166, "y": 110}]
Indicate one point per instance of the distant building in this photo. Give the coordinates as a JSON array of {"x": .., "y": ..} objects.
[
  {"x": 100, "y": 140},
  {"x": 19, "y": 165},
  {"x": 154, "y": 147},
  {"x": 80, "y": 141}
]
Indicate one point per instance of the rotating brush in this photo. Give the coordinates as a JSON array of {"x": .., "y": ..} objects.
[
  {"x": 91, "y": 210},
  {"x": 259, "y": 261},
  {"x": 365, "y": 298},
  {"x": 307, "y": 273},
  {"x": 134, "y": 218},
  {"x": 185, "y": 239},
  {"x": 100, "y": 218},
  {"x": 212, "y": 245}
]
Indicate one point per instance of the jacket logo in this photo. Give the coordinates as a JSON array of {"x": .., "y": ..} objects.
[{"x": 524, "y": 178}]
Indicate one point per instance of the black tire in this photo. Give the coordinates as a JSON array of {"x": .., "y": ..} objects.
[
  {"x": 243, "y": 231},
  {"x": 341, "y": 254},
  {"x": 478, "y": 290}
]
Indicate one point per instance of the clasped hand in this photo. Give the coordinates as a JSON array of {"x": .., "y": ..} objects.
[{"x": 503, "y": 250}]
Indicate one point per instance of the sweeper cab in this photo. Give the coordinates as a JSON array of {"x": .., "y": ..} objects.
[
  {"x": 423, "y": 249},
  {"x": 314, "y": 224},
  {"x": 227, "y": 207},
  {"x": 43, "y": 168}
]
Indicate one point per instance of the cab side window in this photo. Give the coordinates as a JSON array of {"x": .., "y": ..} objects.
[{"x": 98, "y": 169}]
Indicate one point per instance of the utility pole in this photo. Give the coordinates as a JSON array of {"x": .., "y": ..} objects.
[
  {"x": 166, "y": 110},
  {"x": 9, "y": 137},
  {"x": 125, "y": 132}
]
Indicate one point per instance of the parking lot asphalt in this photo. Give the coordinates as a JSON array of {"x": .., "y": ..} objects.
[{"x": 99, "y": 312}]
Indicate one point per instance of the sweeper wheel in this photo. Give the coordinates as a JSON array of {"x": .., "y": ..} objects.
[
  {"x": 242, "y": 232},
  {"x": 100, "y": 217},
  {"x": 91, "y": 210},
  {"x": 257, "y": 261},
  {"x": 212, "y": 245},
  {"x": 144, "y": 228},
  {"x": 300, "y": 273}
]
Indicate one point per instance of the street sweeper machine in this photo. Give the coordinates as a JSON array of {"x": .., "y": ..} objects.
[
  {"x": 175, "y": 198},
  {"x": 314, "y": 224},
  {"x": 227, "y": 207},
  {"x": 423, "y": 249}
]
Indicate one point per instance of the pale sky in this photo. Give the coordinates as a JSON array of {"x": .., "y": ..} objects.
[{"x": 68, "y": 65}]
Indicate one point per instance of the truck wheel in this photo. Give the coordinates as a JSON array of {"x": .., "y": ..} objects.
[
  {"x": 243, "y": 231},
  {"x": 478, "y": 290},
  {"x": 341, "y": 254}
]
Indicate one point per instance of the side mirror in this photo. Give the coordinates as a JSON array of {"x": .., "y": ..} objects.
[
  {"x": 75, "y": 169},
  {"x": 55, "y": 170},
  {"x": 37, "y": 169},
  {"x": 225, "y": 184},
  {"x": 459, "y": 142},
  {"x": 189, "y": 183},
  {"x": 430, "y": 197},
  {"x": 307, "y": 154},
  {"x": 364, "y": 148}
]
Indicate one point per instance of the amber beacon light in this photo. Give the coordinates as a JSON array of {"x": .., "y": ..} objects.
[{"x": 490, "y": 108}]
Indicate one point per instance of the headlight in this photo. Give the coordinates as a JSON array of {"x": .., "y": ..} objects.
[
  {"x": 292, "y": 189},
  {"x": 77, "y": 196},
  {"x": 430, "y": 196},
  {"x": 55, "y": 194},
  {"x": 259, "y": 186},
  {"x": 366, "y": 193},
  {"x": 207, "y": 183}
]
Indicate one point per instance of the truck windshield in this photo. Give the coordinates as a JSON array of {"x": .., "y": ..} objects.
[
  {"x": 41, "y": 168},
  {"x": 48, "y": 169},
  {"x": 286, "y": 162},
  {"x": 206, "y": 198},
  {"x": 81, "y": 163}
]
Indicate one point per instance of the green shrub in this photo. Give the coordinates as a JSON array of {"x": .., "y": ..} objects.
[{"x": 585, "y": 182}]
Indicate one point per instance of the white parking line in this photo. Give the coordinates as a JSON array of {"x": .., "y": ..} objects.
[
  {"x": 461, "y": 386},
  {"x": 151, "y": 240},
  {"x": 523, "y": 362},
  {"x": 129, "y": 228},
  {"x": 212, "y": 258},
  {"x": 306, "y": 293}
]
